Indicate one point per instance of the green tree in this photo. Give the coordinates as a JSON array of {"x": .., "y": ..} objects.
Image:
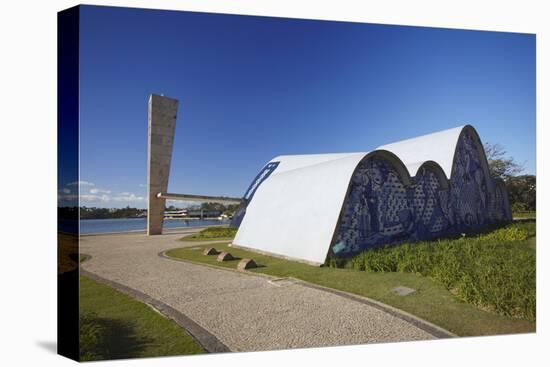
[
  {"x": 522, "y": 192},
  {"x": 522, "y": 189},
  {"x": 500, "y": 164}
]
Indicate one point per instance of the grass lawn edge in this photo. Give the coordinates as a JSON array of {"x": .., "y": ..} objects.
[
  {"x": 206, "y": 342},
  {"x": 189, "y": 238}
]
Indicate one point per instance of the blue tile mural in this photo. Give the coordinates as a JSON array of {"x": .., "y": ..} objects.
[
  {"x": 429, "y": 200},
  {"x": 380, "y": 209}
]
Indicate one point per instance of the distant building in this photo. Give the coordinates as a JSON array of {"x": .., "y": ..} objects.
[
  {"x": 204, "y": 213},
  {"x": 191, "y": 213},
  {"x": 309, "y": 206},
  {"x": 173, "y": 214}
]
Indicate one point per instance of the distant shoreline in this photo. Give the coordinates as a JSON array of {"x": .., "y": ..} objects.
[
  {"x": 126, "y": 218},
  {"x": 118, "y": 225}
]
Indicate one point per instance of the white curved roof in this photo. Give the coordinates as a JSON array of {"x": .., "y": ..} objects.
[
  {"x": 438, "y": 147},
  {"x": 295, "y": 210}
]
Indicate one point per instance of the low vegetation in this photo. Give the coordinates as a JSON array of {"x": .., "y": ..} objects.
[
  {"x": 494, "y": 271},
  {"x": 212, "y": 233},
  {"x": 114, "y": 325},
  {"x": 525, "y": 214},
  {"x": 455, "y": 299}
]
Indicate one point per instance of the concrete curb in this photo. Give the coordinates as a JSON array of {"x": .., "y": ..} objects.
[
  {"x": 203, "y": 337},
  {"x": 163, "y": 255},
  {"x": 428, "y": 327}
]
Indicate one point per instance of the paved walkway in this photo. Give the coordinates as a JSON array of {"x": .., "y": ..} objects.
[{"x": 243, "y": 312}]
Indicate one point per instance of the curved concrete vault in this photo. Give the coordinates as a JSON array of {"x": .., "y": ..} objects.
[{"x": 308, "y": 206}]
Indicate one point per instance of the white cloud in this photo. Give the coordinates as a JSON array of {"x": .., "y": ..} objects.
[
  {"x": 66, "y": 197},
  {"x": 180, "y": 204},
  {"x": 99, "y": 191},
  {"x": 128, "y": 197},
  {"x": 95, "y": 198},
  {"x": 80, "y": 183}
]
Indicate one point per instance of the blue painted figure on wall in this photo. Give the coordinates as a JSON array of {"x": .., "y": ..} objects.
[{"x": 380, "y": 209}]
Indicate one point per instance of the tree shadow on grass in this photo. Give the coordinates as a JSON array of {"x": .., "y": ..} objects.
[{"x": 103, "y": 338}]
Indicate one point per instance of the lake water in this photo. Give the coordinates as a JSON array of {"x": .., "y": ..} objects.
[{"x": 88, "y": 226}]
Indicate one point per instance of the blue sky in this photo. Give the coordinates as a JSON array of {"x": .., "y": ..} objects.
[{"x": 252, "y": 88}]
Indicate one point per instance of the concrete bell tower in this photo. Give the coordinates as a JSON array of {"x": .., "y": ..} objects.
[{"x": 162, "y": 125}]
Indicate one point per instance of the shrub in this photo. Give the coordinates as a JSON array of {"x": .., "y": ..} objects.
[
  {"x": 213, "y": 232},
  {"x": 508, "y": 233},
  {"x": 519, "y": 207},
  {"x": 494, "y": 271}
]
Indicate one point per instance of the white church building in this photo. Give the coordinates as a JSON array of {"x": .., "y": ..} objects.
[{"x": 306, "y": 207}]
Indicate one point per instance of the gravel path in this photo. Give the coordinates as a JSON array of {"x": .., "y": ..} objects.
[{"x": 244, "y": 312}]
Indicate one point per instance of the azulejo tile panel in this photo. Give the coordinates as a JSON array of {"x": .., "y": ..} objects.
[{"x": 380, "y": 209}]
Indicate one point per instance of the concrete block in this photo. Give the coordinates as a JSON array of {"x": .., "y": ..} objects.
[
  {"x": 246, "y": 264},
  {"x": 210, "y": 251},
  {"x": 224, "y": 256}
]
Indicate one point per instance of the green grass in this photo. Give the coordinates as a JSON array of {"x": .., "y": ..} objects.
[
  {"x": 531, "y": 214},
  {"x": 212, "y": 233},
  {"x": 494, "y": 271},
  {"x": 114, "y": 325},
  {"x": 83, "y": 257},
  {"x": 432, "y": 301}
]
